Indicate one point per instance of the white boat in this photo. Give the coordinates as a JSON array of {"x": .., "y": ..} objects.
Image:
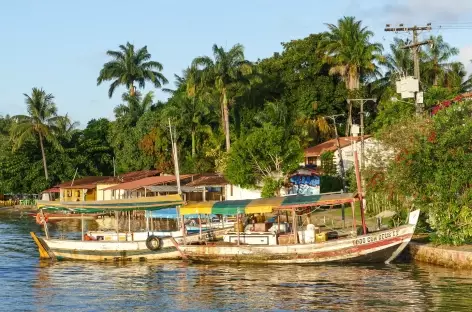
[{"x": 113, "y": 246}]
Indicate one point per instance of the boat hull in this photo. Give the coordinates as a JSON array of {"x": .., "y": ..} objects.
[
  {"x": 112, "y": 250},
  {"x": 381, "y": 246}
]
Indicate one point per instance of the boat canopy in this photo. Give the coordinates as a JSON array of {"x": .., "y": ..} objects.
[
  {"x": 142, "y": 203},
  {"x": 266, "y": 205},
  {"x": 167, "y": 213}
]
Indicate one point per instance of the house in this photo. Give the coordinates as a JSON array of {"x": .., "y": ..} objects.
[
  {"x": 103, "y": 193},
  {"x": 141, "y": 187},
  {"x": 372, "y": 149},
  {"x": 212, "y": 187},
  {"x": 84, "y": 189}
]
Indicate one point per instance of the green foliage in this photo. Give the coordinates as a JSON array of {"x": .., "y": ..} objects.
[
  {"x": 271, "y": 187},
  {"x": 327, "y": 163},
  {"x": 391, "y": 112},
  {"x": 264, "y": 152},
  {"x": 330, "y": 184},
  {"x": 431, "y": 170}
]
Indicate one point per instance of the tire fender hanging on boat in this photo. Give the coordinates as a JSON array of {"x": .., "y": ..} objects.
[
  {"x": 41, "y": 220},
  {"x": 154, "y": 243}
]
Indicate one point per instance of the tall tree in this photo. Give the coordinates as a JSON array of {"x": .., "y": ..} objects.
[
  {"x": 226, "y": 72},
  {"x": 41, "y": 121},
  {"x": 136, "y": 105},
  {"x": 437, "y": 60},
  {"x": 351, "y": 54},
  {"x": 129, "y": 67},
  {"x": 399, "y": 61}
]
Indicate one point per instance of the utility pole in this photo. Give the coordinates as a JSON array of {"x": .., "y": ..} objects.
[
  {"x": 415, "y": 46},
  {"x": 340, "y": 156},
  {"x": 362, "y": 101}
]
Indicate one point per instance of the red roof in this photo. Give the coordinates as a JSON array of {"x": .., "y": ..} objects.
[
  {"x": 209, "y": 180},
  {"x": 52, "y": 190},
  {"x": 133, "y": 185},
  {"x": 82, "y": 181},
  {"x": 331, "y": 145},
  {"x": 131, "y": 176}
]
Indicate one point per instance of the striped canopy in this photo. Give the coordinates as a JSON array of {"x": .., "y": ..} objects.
[
  {"x": 142, "y": 203},
  {"x": 265, "y": 205}
]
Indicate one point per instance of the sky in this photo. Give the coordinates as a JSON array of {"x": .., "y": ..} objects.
[{"x": 60, "y": 45}]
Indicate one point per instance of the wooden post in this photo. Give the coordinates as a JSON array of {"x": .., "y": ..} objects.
[
  {"x": 354, "y": 225},
  {"x": 183, "y": 229},
  {"x": 204, "y": 194},
  {"x": 237, "y": 226},
  {"x": 200, "y": 225},
  {"x": 117, "y": 225},
  {"x": 295, "y": 230},
  {"x": 129, "y": 223},
  {"x": 278, "y": 221},
  {"x": 45, "y": 224},
  {"x": 82, "y": 224},
  {"x": 359, "y": 191}
]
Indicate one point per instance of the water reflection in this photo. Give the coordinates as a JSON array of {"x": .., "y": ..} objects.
[{"x": 82, "y": 286}]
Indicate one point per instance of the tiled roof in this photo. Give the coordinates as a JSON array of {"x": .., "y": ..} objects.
[
  {"x": 133, "y": 185},
  {"x": 131, "y": 176},
  {"x": 210, "y": 180},
  {"x": 81, "y": 181},
  {"x": 331, "y": 145}
]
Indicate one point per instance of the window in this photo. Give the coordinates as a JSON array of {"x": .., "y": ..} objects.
[{"x": 311, "y": 161}]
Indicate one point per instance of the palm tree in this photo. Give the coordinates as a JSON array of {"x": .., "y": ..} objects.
[
  {"x": 351, "y": 54},
  {"x": 455, "y": 78},
  {"x": 41, "y": 121},
  {"x": 129, "y": 66},
  {"x": 65, "y": 126},
  {"x": 226, "y": 73},
  {"x": 437, "y": 59},
  {"x": 136, "y": 106},
  {"x": 399, "y": 61}
]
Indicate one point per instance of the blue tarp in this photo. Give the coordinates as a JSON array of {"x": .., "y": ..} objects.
[{"x": 169, "y": 213}]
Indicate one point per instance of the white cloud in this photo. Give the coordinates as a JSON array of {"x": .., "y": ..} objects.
[
  {"x": 465, "y": 56},
  {"x": 421, "y": 11}
]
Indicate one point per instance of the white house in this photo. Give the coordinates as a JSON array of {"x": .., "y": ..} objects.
[{"x": 374, "y": 151}]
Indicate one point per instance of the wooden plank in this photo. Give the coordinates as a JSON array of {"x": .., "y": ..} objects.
[{"x": 174, "y": 242}]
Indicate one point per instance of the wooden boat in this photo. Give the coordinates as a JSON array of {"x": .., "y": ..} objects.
[
  {"x": 309, "y": 246},
  {"x": 56, "y": 217},
  {"x": 259, "y": 247},
  {"x": 148, "y": 247}
]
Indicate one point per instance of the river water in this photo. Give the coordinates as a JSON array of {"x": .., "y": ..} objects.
[{"x": 28, "y": 284}]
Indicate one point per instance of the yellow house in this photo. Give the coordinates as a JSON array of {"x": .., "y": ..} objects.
[{"x": 84, "y": 189}]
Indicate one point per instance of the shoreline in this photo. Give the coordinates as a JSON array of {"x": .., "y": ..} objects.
[{"x": 457, "y": 257}]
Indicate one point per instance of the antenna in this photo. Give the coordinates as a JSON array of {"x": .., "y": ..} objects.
[{"x": 72, "y": 183}]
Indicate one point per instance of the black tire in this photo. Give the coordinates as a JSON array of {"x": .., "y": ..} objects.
[{"x": 154, "y": 243}]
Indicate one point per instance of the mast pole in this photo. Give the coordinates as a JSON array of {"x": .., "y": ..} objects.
[
  {"x": 177, "y": 176},
  {"x": 359, "y": 191}
]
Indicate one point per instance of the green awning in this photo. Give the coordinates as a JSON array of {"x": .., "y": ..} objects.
[{"x": 230, "y": 207}]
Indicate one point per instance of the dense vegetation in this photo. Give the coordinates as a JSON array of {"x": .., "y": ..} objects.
[{"x": 251, "y": 119}]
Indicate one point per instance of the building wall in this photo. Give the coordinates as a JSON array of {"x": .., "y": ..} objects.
[
  {"x": 108, "y": 194},
  {"x": 374, "y": 153},
  {"x": 234, "y": 192},
  {"x": 73, "y": 194}
]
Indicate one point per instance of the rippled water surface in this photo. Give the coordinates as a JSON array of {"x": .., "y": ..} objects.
[{"x": 27, "y": 284}]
